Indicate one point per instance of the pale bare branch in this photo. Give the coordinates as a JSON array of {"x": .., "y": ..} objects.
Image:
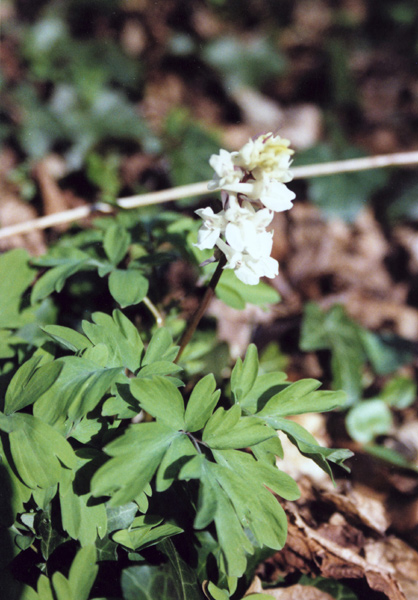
[{"x": 199, "y": 189}]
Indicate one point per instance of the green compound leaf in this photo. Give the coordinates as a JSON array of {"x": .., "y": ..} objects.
[
  {"x": 116, "y": 243},
  {"x": 81, "y": 578},
  {"x": 136, "y": 455},
  {"x": 299, "y": 398},
  {"x": 120, "y": 337},
  {"x": 128, "y": 287},
  {"x": 80, "y": 386},
  {"x": 234, "y": 506},
  {"x": 244, "y": 373},
  {"x": 202, "y": 401},
  {"x": 15, "y": 277},
  {"x": 64, "y": 262},
  {"x": 308, "y": 446},
  {"x": 145, "y": 531},
  {"x": 161, "y": 399},
  {"x": 265, "y": 386},
  {"x": 160, "y": 347},
  {"x": 82, "y": 519},
  {"x": 67, "y": 338},
  {"x": 40, "y": 454},
  {"x": 227, "y": 429},
  {"x": 30, "y": 383}
]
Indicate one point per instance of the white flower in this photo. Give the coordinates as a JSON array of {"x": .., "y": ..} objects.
[
  {"x": 213, "y": 226},
  {"x": 226, "y": 173},
  {"x": 274, "y": 195},
  {"x": 267, "y": 155},
  {"x": 247, "y": 268}
]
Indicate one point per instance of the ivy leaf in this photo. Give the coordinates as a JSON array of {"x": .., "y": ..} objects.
[
  {"x": 39, "y": 452},
  {"x": 136, "y": 456},
  {"x": 145, "y": 582},
  {"x": 48, "y": 532},
  {"x": 128, "y": 287}
]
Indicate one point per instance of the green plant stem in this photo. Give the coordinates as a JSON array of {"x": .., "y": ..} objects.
[
  {"x": 194, "y": 321},
  {"x": 154, "y": 310}
]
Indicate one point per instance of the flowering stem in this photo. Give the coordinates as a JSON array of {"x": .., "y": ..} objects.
[{"x": 191, "y": 328}]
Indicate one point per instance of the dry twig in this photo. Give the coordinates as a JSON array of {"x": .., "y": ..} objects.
[{"x": 198, "y": 189}]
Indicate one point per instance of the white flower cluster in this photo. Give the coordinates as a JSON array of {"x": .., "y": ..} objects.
[{"x": 253, "y": 176}]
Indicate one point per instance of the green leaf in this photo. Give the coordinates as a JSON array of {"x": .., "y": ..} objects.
[
  {"x": 237, "y": 294},
  {"x": 145, "y": 531},
  {"x": 15, "y": 277},
  {"x": 299, "y": 398},
  {"x": 245, "y": 62},
  {"x": 128, "y": 287},
  {"x": 146, "y": 582},
  {"x": 120, "y": 337},
  {"x": 67, "y": 338},
  {"x": 136, "y": 456},
  {"x": 265, "y": 386},
  {"x": 178, "y": 453},
  {"x": 247, "y": 431},
  {"x": 120, "y": 517},
  {"x": 48, "y": 531},
  {"x": 308, "y": 446},
  {"x": 68, "y": 261},
  {"x": 82, "y": 519},
  {"x": 80, "y": 386},
  {"x": 160, "y": 347},
  {"x": 161, "y": 399},
  {"x": 39, "y": 452},
  {"x": 368, "y": 419},
  {"x": 83, "y": 573},
  {"x": 343, "y": 195},
  {"x": 400, "y": 392},
  {"x": 201, "y": 404},
  {"x": 184, "y": 577},
  {"x": 335, "y": 331},
  {"x": 245, "y": 374},
  {"x": 30, "y": 383},
  {"x": 116, "y": 243}
]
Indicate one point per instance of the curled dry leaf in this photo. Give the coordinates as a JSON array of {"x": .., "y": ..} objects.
[
  {"x": 293, "y": 592},
  {"x": 338, "y": 550}
]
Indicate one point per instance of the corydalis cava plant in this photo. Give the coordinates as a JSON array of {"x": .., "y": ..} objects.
[{"x": 252, "y": 184}]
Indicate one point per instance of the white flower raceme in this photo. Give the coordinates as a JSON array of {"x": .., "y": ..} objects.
[
  {"x": 255, "y": 174},
  {"x": 268, "y": 154}
]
